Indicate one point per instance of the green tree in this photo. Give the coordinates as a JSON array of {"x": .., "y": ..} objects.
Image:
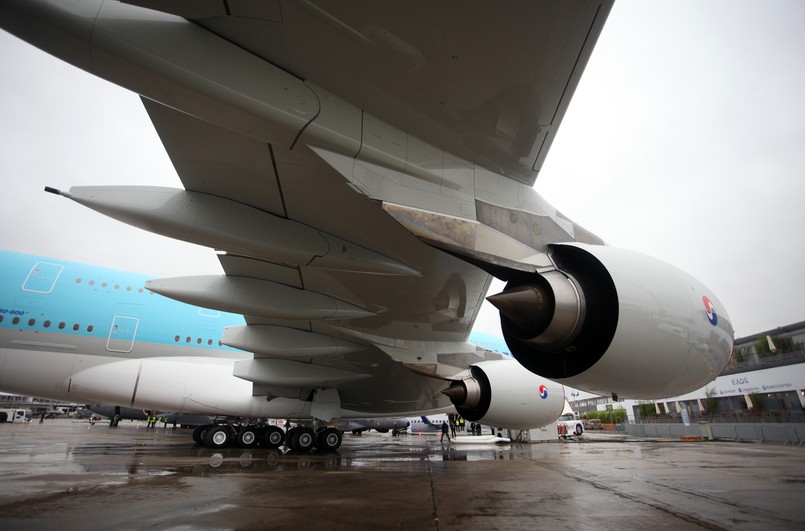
[
  {"x": 757, "y": 401},
  {"x": 647, "y": 409},
  {"x": 710, "y": 402},
  {"x": 761, "y": 346},
  {"x": 616, "y": 416}
]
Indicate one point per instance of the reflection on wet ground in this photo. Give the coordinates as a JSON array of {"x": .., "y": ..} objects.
[{"x": 75, "y": 475}]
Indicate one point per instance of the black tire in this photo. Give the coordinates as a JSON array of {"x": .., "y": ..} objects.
[
  {"x": 578, "y": 430},
  {"x": 273, "y": 437},
  {"x": 198, "y": 434},
  {"x": 218, "y": 437},
  {"x": 329, "y": 440},
  {"x": 3, "y": 417},
  {"x": 248, "y": 437},
  {"x": 303, "y": 439}
]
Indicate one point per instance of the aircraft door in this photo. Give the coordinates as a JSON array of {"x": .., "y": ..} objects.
[
  {"x": 42, "y": 277},
  {"x": 122, "y": 334}
]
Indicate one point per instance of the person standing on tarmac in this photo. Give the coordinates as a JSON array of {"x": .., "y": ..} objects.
[{"x": 444, "y": 432}]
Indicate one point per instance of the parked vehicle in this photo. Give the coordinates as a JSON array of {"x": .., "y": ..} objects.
[
  {"x": 569, "y": 422},
  {"x": 14, "y": 415}
]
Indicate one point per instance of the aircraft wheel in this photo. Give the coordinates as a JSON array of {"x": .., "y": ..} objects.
[
  {"x": 248, "y": 436},
  {"x": 301, "y": 439},
  {"x": 274, "y": 437},
  {"x": 329, "y": 440},
  {"x": 198, "y": 434},
  {"x": 218, "y": 437}
]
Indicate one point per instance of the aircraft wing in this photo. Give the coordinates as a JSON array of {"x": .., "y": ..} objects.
[
  {"x": 478, "y": 84},
  {"x": 490, "y": 95},
  {"x": 487, "y": 82}
]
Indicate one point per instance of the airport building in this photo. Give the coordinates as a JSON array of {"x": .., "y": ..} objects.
[{"x": 763, "y": 382}]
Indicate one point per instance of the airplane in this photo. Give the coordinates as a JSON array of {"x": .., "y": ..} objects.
[
  {"x": 87, "y": 334},
  {"x": 364, "y": 176},
  {"x": 427, "y": 424}
]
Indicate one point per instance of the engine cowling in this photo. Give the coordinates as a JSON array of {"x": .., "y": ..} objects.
[
  {"x": 503, "y": 394},
  {"x": 612, "y": 321}
]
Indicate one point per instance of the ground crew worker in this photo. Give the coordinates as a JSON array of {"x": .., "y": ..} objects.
[{"x": 444, "y": 432}]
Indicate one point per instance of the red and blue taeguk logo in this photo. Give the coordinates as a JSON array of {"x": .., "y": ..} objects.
[
  {"x": 543, "y": 392},
  {"x": 711, "y": 310}
]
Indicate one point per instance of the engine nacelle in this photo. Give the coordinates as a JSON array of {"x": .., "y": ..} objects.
[
  {"x": 501, "y": 393},
  {"x": 611, "y": 321}
]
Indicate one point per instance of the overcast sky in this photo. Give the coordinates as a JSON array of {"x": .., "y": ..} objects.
[{"x": 685, "y": 140}]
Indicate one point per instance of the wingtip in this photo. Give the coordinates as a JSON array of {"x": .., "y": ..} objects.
[{"x": 51, "y": 190}]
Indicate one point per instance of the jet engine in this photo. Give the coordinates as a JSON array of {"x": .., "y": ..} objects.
[
  {"x": 503, "y": 394},
  {"x": 611, "y": 321}
]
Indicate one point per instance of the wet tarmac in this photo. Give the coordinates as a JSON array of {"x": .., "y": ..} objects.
[{"x": 72, "y": 475}]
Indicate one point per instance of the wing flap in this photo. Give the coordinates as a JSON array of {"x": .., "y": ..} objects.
[{"x": 217, "y": 161}]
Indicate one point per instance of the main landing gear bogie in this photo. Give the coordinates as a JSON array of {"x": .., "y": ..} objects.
[{"x": 297, "y": 439}]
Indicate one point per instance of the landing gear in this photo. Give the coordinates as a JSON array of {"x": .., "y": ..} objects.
[{"x": 297, "y": 439}]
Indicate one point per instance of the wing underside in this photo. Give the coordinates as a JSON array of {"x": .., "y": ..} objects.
[{"x": 363, "y": 168}]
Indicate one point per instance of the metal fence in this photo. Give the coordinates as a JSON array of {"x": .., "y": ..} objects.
[{"x": 788, "y": 433}]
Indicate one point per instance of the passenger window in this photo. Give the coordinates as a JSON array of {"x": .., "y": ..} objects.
[
  {"x": 16, "y": 320},
  {"x": 76, "y": 327},
  {"x": 90, "y": 328},
  {"x": 31, "y": 322},
  {"x": 61, "y": 325},
  {"x": 46, "y": 324}
]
